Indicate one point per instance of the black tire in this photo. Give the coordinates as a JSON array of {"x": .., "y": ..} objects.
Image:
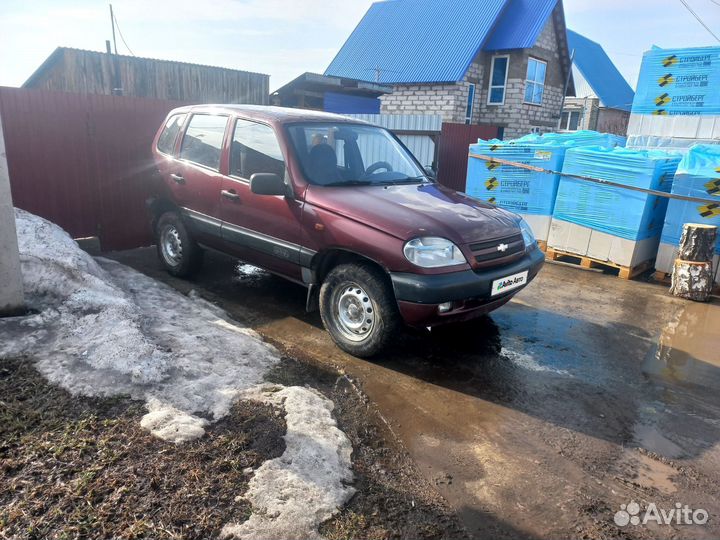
[
  {"x": 188, "y": 255},
  {"x": 366, "y": 291}
]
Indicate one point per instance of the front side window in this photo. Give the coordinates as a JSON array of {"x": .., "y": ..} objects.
[
  {"x": 498, "y": 80},
  {"x": 535, "y": 81},
  {"x": 255, "y": 149},
  {"x": 352, "y": 154},
  {"x": 570, "y": 120},
  {"x": 166, "y": 141},
  {"x": 202, "y": 143}
]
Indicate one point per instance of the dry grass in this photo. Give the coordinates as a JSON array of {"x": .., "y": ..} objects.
[{"x": 83, "y": 468}]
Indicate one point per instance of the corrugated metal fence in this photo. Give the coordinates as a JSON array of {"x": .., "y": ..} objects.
[
  {"x": 83, "y": 161},
  {"x": 418, "y": 132},
  {"x": 453, "y": 152}
]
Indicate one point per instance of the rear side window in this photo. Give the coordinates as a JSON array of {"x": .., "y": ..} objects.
[
  {"x": 255, "y": 149},
  {"x": 202, "y": 143},
  {"x": 166, "y": 141}
]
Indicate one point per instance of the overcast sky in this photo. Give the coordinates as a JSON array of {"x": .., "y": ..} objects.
[{"x": 285, "y": 38}]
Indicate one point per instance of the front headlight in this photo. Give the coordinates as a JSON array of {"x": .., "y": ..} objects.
[
  {"x": 527, "y": 233},
  {"x": 433, "y": 252}
]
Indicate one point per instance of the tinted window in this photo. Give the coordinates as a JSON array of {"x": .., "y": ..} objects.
[
  {"x": 203, "y": 140},
  {"x": 255, "y": 149},
  {"x": 166, "y": 141}
]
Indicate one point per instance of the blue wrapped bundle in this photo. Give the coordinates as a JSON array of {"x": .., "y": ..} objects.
[
  {"x": 616, "y": 211},
  {"x": 698, "y": 175},
  {"x": 521, "y": 190},
  {"x": 679, "y": 82}
]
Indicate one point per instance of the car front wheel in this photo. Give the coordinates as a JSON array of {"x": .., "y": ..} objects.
[
  {"x": 358, "y": 309},
  {"x": 179, "y": 253}
]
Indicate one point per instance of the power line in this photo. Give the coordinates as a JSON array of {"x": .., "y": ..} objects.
[
  {"x": 684, "y": 3},
  {"x": 117, "y": 25}
]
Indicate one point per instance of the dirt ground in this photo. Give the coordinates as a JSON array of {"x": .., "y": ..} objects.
[
  {"x": 84, "y": 468},
  {"x": 583, "y": 394}
]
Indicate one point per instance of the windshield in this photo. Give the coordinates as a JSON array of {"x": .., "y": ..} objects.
[{"x": 352, "y": 154}]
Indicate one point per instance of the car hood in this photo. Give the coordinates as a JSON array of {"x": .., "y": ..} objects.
[{"x": 409, "y": 211}]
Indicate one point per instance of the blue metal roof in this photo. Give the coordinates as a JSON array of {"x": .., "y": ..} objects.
[
  {"x": 600, "y": 73},
  {"x": 416, "y": 40},
  {"x": 424, "y": 41},
  {"x": 520, "y": 24}
]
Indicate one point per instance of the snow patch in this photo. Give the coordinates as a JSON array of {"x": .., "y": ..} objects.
[
  {"x": 103, "y": 329},
  {"x": 171, "y": 424},
  {"x": 294, "y": 493}
]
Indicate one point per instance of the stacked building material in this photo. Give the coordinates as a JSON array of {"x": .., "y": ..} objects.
[
  {"x": 528, "y": 193},
  {"x": 698, "y": 175},
  {"x": 677, "y": 95},
  {"x": 609, "y": 223}
]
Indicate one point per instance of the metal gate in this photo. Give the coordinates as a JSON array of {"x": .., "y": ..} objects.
[
  {"x": 453, "y": 151},
  {"x": 83, "y": 161}
]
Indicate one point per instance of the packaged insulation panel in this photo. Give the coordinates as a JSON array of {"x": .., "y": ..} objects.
[
  {"x": 521, "y": 190},
  {"x": 698, "y": 175},
  {"x": 620, "y": 212},
  {"x": 681, "y": 82}
]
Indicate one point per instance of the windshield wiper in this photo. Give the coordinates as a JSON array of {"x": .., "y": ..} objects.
[
  {"x": 408, "y": 180},
  {"x": 349, "y": 183}
]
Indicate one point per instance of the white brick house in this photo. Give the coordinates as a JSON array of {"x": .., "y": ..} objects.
[{"x": 510, "y": 69}]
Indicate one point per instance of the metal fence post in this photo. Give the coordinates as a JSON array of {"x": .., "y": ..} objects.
[{"x": 11, "y": 286}]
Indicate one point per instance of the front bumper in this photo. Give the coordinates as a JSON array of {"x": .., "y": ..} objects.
[{"x": 419, "y": 295}]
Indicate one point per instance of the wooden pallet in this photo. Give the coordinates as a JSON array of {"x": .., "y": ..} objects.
[
  {"x": 542, "y": 244},
  {"x": 583, "y": 261}
]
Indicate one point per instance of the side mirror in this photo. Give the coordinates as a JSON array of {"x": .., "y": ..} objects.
[
  {"x": 430, "y": 172},
  {"x": 267, "y": 184}
]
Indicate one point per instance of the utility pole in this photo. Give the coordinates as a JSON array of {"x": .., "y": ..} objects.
[
  {"x": 112, "y": 23},
  {"x": 11, "y": 287}
]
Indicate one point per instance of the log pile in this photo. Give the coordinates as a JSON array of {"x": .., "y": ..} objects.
[{"x": 692, "y": 275}]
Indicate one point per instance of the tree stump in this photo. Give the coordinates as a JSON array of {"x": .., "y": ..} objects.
[
  {"x": 692, "y": 280},
  {"x": 697, "y": 243},
  {"x": 692, "y": 275}
]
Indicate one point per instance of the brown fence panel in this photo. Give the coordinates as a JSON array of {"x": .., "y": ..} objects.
[
  {"x": 83, "y": 161},
  {"x": 453, "y": 151}
]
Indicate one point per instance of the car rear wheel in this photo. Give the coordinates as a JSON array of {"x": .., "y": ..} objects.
[
  {"x": 179, "y": 253},
  {"x": 358, "y": 309}
]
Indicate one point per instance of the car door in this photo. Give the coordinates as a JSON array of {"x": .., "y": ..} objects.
[
  {"x": 263, "y": 229},
  {"x": 196, "y": 181}
]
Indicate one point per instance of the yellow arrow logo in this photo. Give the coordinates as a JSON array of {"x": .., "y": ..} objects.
[
  {"x": 670, "y": 61},
  {"x": 709, "y": 210},
  {"x": 666, "y": 80},
  {"x": 492, "y": 183}
]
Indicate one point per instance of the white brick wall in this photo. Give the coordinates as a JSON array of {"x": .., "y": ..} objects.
[{"x": 517, "y": 117}]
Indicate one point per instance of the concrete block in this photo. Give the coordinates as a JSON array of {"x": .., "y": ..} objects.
[{"x": 11, "y": 286}]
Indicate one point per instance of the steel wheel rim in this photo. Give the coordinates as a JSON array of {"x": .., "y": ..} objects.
[
  {"x": 171, "y": 245},
  {"x": 354, "y": 311}
]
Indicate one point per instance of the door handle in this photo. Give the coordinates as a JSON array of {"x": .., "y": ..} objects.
[
  {"x": 178, "y": 178},
  {"x": 230, "y": 194}
]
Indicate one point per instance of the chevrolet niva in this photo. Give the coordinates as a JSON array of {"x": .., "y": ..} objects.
[{"x": 340, "y": 207}]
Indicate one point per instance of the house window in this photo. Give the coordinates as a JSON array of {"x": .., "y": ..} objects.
[
  {"x": 570, "y": 121},
  {"x": 498, "y": 80},
  {"x": 470, "y": 104},
  {"x": 535, "y": 81}
]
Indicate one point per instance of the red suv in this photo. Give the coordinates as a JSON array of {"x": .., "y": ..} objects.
[{"x": 340, "y": 207}]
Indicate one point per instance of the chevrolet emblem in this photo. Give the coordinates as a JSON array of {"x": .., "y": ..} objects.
[{"x": 502, "y": 247}]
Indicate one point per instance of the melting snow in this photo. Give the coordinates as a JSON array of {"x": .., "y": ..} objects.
[{"x": 103, "y": 329}]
